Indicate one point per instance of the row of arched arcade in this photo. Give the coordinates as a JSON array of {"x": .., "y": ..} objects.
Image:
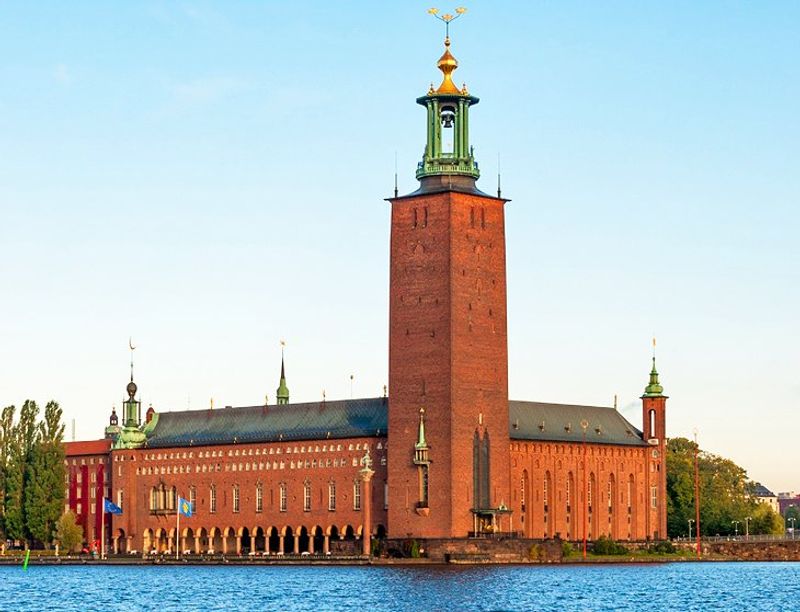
[{"x": 244, "y": 541}]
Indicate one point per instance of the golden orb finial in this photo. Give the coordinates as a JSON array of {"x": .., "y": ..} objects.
[{"x": 447, "y": 63}]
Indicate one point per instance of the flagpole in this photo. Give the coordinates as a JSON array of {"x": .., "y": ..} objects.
[
  {"x": 103, "y": 531},
  {"x": 177, "y": 528}
]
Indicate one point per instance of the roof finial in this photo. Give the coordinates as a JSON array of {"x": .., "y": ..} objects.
[
  {"x": 133, "y": 348},
  {"x": 447, "y": 63},
  {"x": 499, "y": 193},
  {"x": 395, "y": 174}
]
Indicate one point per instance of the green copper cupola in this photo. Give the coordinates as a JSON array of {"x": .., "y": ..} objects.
[
  {"x": 447, "y": 149},
  {"x": 654, "y": 388}
]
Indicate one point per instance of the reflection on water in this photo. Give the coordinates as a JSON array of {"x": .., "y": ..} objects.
[{"x": 677, "y": 586}]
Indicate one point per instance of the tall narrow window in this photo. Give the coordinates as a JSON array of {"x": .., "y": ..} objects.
[
  {"x": 331, "y": 496},
  {"x": 385, "y": 495},
  {"x": 259, "y": 497},
  {"x": 307, "y": 496},
  {"x": 654, "y": 497},
  {"x": 415, "y": 217},
  {"x": 357, "y": 494},
  {"x": 283, "y": 497},
  {"x": 546, "y": 490},
  {"x": 119, "y": 498},
  {"x": 236, "y": 498},
  {"x": 522, "y": 491},
  {"x": 212, "y": 499},
  {"x": 568, "y": 493},
  {"x": 425, "y": 216},
  {"x": 193, "y": 498},
  {"x": 652, "y": 420},
  {"x": 589, "y": 492},
  {"x": 630, "y": 494}
]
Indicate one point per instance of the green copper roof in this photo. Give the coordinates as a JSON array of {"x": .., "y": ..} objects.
[{"x": 654, "y": 389}]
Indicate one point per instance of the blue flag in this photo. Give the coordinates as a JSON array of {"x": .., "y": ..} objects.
[
  {"x": 184, "y": 507},
  {"x": 110, "y": 507}
]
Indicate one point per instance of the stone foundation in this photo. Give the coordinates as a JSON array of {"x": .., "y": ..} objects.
[{"x": 479, "y": 550}]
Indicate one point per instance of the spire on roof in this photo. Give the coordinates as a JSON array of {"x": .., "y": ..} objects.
[
  {"x": 283, "y": 391},
  {"x": 654, "y": 388}
]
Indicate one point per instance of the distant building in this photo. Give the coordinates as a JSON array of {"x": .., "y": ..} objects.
[
  {"x": 765, "y": 496},
  {"x": 445, "y": 454}
]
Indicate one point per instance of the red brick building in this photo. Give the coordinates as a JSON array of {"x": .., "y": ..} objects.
[
  {"x": 87, "y": 482},
  {"x": 445, "y": 455}
]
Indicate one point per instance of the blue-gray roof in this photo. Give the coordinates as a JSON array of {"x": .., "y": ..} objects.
[
  {"x": 309, "y": 421},
  {"x": 368, "y": 417},
  {"x": 562, "y": 423}
]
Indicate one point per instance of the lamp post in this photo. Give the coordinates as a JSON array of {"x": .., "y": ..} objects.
[
  {"x": 747, "y": 520},
  {"x": 792, "y": 520},
  {"x": 735, "y": 528},
  {"x": 691, "y": 521},
  {"x": 584, "y": 425}
]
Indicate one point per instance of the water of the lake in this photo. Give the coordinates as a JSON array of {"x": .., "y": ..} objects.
[{"x": 676, "y": 586}]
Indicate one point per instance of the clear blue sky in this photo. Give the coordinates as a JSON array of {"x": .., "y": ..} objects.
[{"x": 208, "y": 178}]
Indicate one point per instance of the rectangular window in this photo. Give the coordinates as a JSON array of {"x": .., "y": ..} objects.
[
  {"x": 332, "y": 496},
  {"x": 79, "y": 508},
  {"x": 357, "y": 495},
  {"x": 193, "y": 498},
  {"x": 307, "y": 497},
  {"x": 654, "y": 497},
  {"x": 236, "y": 498},
  {"x": 119, "y": 498},
  {"x": 385, "y": 495},
  {"x": 283, "y": 498},
  {"x": 212, "y": 499},
  {"x": 259, "y": 498}
]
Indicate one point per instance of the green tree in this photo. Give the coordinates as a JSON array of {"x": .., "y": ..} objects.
[
  {"x": 726, "y": 494},
  {"x": 44, "y": 488},
  {"x": 6, "y": 438},
  {"x": 68, "y": 534},
  {"x": 24, "y": 437}
]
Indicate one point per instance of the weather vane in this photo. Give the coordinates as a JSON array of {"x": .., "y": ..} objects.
[{"x": 447, "y": 17}]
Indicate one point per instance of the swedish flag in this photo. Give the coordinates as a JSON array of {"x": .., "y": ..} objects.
[{"x": 184, "y": 507}]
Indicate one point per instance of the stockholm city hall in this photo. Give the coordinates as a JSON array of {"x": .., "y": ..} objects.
[{"x": 445, "y": 455}]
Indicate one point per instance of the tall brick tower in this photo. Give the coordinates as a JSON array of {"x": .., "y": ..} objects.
[
  {"x": 448, "y": 470},
  {"x": 654, "y": 408}
]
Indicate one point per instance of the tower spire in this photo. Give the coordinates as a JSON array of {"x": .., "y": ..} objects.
[
  {"x": 654, "y": 388},
  {"x": 282, "y": 393},
  {"x": 448, "y": 155}
]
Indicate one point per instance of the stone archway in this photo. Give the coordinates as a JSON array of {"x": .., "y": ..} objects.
[
  {"x": 147, "y": 541},
  {"x": 201, "y": 541},
  {"x": 229, "y": 541},
  {"x": 215, "y": 541},
  {"x": 187, "y": 543},
  {"x": 259, "y": 541},
  {"x": 274, "y": 541},
  {"x": 319, "y": 543},
  {"x": 120, "y": 542},
  {"x": 303, "y": 540},
  {"x": 288, "y": 540}
]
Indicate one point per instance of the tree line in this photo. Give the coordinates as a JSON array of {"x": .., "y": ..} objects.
[
  {"x": 32, "y": 473},
  {"x": 727, "y": 495}
]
